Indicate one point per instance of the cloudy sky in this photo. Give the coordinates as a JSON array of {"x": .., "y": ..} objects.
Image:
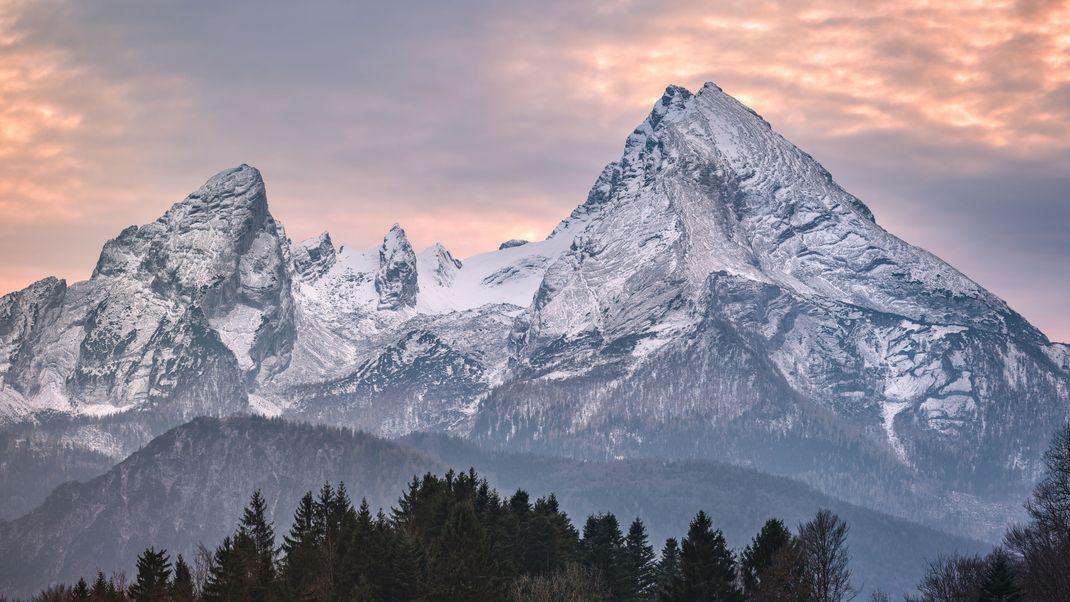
[{"x": 473, "y": 122}]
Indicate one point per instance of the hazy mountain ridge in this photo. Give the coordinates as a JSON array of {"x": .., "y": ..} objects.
[{"x": 156, "y": 497}]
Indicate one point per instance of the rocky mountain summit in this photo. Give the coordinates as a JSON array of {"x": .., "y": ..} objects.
[
  {"x": 184, "y": 314},
  {"x": 717, "y": 295}
]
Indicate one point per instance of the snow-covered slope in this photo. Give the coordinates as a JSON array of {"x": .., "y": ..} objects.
[
  {"x": 716, "y": 294},
  {"x": 394, "y": 341},
  {"x": 706, "y": 186},
  {"x": 720, "y": 254}
]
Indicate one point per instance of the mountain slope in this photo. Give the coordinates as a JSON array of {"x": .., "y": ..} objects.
[
  {"x": 156, "y": 497},
  {"x": 727, "y": 280}
]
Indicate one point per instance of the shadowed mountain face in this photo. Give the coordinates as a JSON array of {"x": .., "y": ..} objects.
[
  {"x": 157, "y": 497},
  {"x": 718, "y": 295}
]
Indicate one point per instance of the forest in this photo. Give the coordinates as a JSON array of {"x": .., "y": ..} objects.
[{"x": 453, "y": 537}]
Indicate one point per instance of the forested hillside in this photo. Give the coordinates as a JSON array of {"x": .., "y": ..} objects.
[
  {"x": 456, "y": 538},
  {"x": 156, "y": 498}
]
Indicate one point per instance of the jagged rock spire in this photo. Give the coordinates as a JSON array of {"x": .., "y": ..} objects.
[{"x": 396, "y": 279}]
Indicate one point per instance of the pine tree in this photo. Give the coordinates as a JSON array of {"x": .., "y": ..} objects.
[
  {"x": 670, "y": 576},
  {"x": 224, "y": 574},
  {"x": 100, "y": 589},
  {"x": 396, "y": 563},
  {"x": 105, "y": 590},
  {"x": 303, "y": 530},
  {"x": 182, "y": 585},
  {"x": 999, "y": 584},
  {"x": 602, "y": 550},
  {"x": 554, "y": 540},
  {"x": 460, "y": 567},
  {"x": 363, "y": 540},
  {"x": 81, "y": 590},
  {"x": 708, "y": 567},
  {"x": 520, "y": 503},
  {"x": 758, "y": 556},
  {"x": 523, "y": 533},
  {"x": 638, "y": 562},
  {"x": 246, "y": 569},
  {"x": 403, "y": 514},
  {"x": 300, "y": 551},
  {"x": 358, "y": 578},
  {"x": 261, "y": 533},
  {"x": 328, "y": 523},
  {"x": 344, "y": 518},
  {"x": 153, "y": 573}
]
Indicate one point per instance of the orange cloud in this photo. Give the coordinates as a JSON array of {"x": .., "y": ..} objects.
[
  {"x": 33, "y": 150},
  {"x": 978, "y": 72}
]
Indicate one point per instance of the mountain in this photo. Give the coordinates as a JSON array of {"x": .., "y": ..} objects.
[
  {"x": 183, "y": 314},
  {"x": 156, "y": 497},
  {"x": 717, "y": 295},
  {"x": 716, "y": 238}
]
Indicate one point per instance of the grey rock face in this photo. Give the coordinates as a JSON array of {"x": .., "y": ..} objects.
[
  {"x": 313, "y": 258},
  {"x": 413, "y": 385},
  {"x": 441, "y": 265},
  {"x": 24, "y": 319},
  {"x": 185, "y": 312},
  {"x": 396, "y": 279}
]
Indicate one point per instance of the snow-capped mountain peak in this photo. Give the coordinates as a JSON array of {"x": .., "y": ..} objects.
[
  {"x": 705, "y": 185},
  {"x": 395, "y": 281},
  {"x": 438, "y": 265},
  {"x": 713, "y": 237}
]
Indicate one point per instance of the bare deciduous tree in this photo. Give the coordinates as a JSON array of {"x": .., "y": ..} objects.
[
  {"x": 1043, "y": 545},
  {"x": 202, "y": 566},
  {"x": 823, "y": 542},
  {"x": 574, "y": 584},
  {"x": 952, "y": 579},
  {"x": 54, "y": 593}
]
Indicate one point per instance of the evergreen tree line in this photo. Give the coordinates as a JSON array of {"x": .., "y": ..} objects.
[{"x": 455, "y": 538}]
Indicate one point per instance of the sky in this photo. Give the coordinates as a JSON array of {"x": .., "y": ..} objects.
[{"x": 473, "y": 122}]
